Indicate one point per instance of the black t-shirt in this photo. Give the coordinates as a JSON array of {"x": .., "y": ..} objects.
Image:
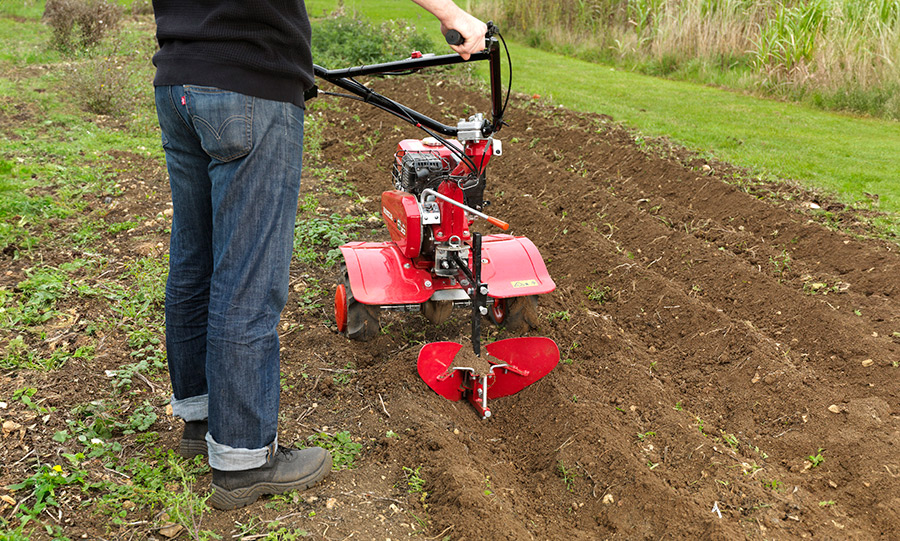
[{"x": 259, "y": 48}]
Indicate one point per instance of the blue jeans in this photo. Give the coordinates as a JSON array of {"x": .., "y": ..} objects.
[{"x": 234, "y": 167}]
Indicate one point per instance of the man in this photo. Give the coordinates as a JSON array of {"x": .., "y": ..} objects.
[{"x": 230, "y": 80}]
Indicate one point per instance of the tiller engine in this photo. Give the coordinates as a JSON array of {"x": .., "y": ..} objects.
[{"x": 434, "y": 261}]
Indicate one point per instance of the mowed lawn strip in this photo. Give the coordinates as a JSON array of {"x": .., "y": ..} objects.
[{"x": 841, "y": 154}]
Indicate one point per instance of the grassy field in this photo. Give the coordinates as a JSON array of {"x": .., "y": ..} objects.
[{"x": 843, "y": 155}]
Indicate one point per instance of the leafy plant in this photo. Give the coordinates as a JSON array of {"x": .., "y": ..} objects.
[
  {"x": 568, "y": 476},
  {"x": 781, "y": 262},
  {"x": 414, "y": 481},
  {"x": 311, "y": 234},
  {"x": 345, "y": 40},
  {"x": 344, "y": 451},
  {"x": 44, "y": 484},
  {"x": 600, "y": 294},
  {"x": 817, "y": 458}
]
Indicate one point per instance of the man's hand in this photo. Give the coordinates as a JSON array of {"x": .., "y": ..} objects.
[{"x": 452, "y": 17}]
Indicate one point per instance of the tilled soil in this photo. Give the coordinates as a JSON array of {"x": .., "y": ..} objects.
[{"x": 717, "y": 339}]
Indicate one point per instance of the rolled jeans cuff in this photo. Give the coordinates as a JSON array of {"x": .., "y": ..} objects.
[
  {"x": 195, "y": 408},
  {"x": 225, "y": 458}
]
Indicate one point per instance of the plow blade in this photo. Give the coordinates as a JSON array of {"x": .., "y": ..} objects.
[
  {"x": 529, "y": 359},
  {"x": 516, "y": 364}
]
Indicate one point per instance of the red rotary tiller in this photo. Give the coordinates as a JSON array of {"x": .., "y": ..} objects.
[{"x": 433, "y": 260}]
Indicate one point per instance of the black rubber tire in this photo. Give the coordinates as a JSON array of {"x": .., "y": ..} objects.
[
  {"x": 515, "y": 313},
  {"x": 362, "y": 319},
  {"x": 437, "y": 312}
]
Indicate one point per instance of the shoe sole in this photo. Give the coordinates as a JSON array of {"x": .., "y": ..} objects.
[
  {"x": 191, "y": 448},
  {"x": 226, "y": 500}
]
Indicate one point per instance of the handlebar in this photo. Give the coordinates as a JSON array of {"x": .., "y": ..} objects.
[
  {"x": 454, "y": 38},
  {"x": 343, "y": 78}
]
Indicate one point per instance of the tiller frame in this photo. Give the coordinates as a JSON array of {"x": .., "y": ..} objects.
[{"x": 433, "y": 260}]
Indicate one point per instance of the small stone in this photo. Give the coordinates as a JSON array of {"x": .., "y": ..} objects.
[
  {"x": 608, "y": 499},
  {"x": 868, "y": 362},
  {"x": 10, "y": 427},
  {"x": 330, "y": 503},
  {"x": 832, "y": 484},
  {"x": 834, "y": 408},
  {"x": 170, "y": 530}
]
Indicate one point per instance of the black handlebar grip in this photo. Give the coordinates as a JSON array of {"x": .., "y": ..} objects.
[{"x": 454, "y": 38}]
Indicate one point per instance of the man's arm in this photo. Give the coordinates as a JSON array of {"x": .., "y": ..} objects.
[{"x": 453, "y": 18}]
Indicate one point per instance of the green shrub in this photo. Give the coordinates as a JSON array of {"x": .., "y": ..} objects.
[
  {"x": 342, "y": 40},
  {"x": 80, "y": 24}
]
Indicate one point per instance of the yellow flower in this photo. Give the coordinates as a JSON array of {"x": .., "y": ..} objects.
[{"x": 57, "y": 468}]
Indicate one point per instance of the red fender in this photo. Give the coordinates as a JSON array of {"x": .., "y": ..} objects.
[{"x": 380, "y": 274}]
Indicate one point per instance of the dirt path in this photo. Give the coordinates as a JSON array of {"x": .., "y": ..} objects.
[{"x": 717, "y": 338}]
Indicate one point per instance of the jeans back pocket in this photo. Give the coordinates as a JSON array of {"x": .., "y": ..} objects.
[{"x": 223, "y": 120}]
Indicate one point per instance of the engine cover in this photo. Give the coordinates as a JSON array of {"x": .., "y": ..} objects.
[{"x": 400, "y": 212}]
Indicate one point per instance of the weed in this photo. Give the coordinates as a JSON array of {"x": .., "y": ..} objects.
[
  {"x": 730, "y": 439},
  {"x": 781, "y": 262},
  {"x": 644, "y": 435},
  {"x": 414, "y": 481},
  {"x": 154, "y": 362},
  {"x": 827, "y": 503},
  {"x": 600, "y": 294},
  {"x": 487, "y": 486},
  {"x": 44, "y": 484},
  {"x": 568, "y": 476},
  {"x": 678, "y": 406},
  {"x": 271, "y": 530},
  {"x": 24, "y": 396},
  {"x": 773, "y": 484},
  {"x": 344, "y": 451},
  {"x": 567, "y": 359},
  {"x": 343, "y": 376},
  {"x": 816, "y": 459},
  {"x": 312, "y": 233},
  {"x": 562, "y": 315},
  {"x": 311, "y": 296}
]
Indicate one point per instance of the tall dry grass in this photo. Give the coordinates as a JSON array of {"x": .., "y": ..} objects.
[{"x": 842, "y": 54}]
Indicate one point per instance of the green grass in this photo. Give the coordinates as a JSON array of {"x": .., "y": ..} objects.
[
  {"x": 377, "y": 10},
  {"x": 839, "y": 154}
]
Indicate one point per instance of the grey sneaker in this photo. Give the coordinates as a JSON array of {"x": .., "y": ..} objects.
[
  {"x": 287, "y": 470},
  {"x": 193, "y": 440}
]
